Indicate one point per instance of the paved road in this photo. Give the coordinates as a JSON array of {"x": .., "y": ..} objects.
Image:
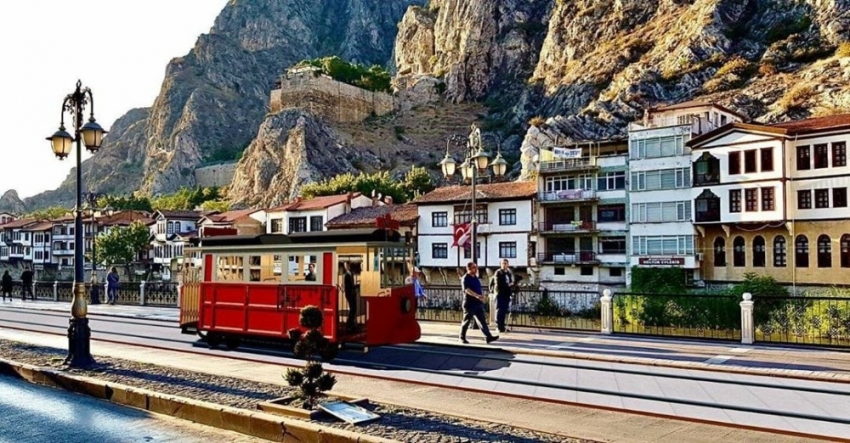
[
  {"x": 33, "y": 414},
  {"x": 664, "y": 391}
]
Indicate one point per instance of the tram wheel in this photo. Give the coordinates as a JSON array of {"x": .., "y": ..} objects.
[
  {"x": 232, "y": 342},
  {"x": 213, "y": 340}
]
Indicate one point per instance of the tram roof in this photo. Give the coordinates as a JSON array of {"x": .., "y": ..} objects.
[{"x": 330, "y": 237}]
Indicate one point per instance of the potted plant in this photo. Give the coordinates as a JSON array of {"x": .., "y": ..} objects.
[{"x": 312, "y": 381}]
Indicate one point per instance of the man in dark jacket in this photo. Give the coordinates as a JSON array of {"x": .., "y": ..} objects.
[
  {"x": 350, "y": 290},
  {"x": 6, "y": 286},
  {"x": 504, "y": 284},
  {"x": 473, "y": 304},
  {"x": 26, "y": 282}
]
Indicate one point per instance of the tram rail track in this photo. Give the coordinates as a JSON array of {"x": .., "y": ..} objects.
[{"x": 375, "y": 368}]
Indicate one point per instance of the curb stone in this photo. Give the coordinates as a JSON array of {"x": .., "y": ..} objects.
[{"x": 254, "y": 423}]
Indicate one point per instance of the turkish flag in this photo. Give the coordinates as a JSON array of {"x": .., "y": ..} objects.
[{"x": 462, "y": 235}]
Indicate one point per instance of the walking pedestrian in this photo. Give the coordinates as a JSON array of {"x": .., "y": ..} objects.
[
  {"x": 473, "y": 304},
  {"x": 418, "y": 291},
  {"x": 503, "y": 285},
  {"x": 26, "y": 282},
  {"x": 94, "y": 294},
  {"x": 350, "y": 296},
  {"x": 6, "y": 285},
  {"x": 112, "y": 286}
]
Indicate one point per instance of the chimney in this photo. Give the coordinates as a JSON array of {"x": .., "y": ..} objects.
[
  {"x": 298, "y": 199},
  {"x": 388, "y": 200},
  {"x": 374, "y": 200}
]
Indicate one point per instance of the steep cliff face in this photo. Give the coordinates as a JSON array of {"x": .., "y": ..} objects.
[
  {"x": 292, "y": 147},
  {"x": 478, "y": 46},
  {"x": 10, "y": 202},
  {"x": 214, "y": 98}
]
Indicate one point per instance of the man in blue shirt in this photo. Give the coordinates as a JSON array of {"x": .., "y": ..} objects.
[
  {"x": 418, "y": 291},
  {"x": 473, "y": 304}
]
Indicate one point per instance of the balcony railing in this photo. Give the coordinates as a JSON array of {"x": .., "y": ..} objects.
[
  {"x": 566, "y": 226},
  {"x": 570, "y": 195},
  {"x": 698, "y": 124},
  {"x": 63, "y": 252},
  {"x": 567, "y": 257},
  {"x": 706, "y": 179},
  {"x": 707, "y": 216},
  {"x": 568, "y": 164}
]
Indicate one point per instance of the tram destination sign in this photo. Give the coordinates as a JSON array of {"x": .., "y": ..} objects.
[{"x": 662, "y": 261}]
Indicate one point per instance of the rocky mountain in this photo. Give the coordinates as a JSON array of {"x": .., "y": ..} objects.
[
  {"x": 215, "y": 98},
  {"x": 10, "y": 202},
  {"x": 587, "y": 66}
]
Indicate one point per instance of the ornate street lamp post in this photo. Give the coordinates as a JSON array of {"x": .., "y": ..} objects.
[
  {"x": 475, "y": 162},
  {"x": 90, "y": 134}
]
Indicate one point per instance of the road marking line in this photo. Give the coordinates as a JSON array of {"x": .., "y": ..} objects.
[
  {"x": 588, "y": 339},
  {"x": 561, "y": 346},
  {"x": 741, "y": 350},
  {"x": 718, "y": 359}
]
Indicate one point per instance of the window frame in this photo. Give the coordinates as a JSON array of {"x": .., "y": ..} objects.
[
  {"x": 803, "y": 158},
  {"x": 759, "y": 252},
  {"x": 839, "y": 154},
  {"x": 751, "y": 161},
  {"x": 507, "y": 217},
  {"x": 438, "y": 216},
  {"x": 719, "y": 249},
  {"x": 839, "y": 197},
  {"x": 321, "y": 223},
  {"x": 739, "y": 252},
  {"x": 766, "y": 159},
  {"x": 734, "y": 165},
  {"x": 804, "y": 199},
  {"x": 435, "y": 247},
  {"x": 768, "y": 200},
  {"x": 505, "y": 249},
  {"x": 297, "y": 222},
  {"x": 824, "y": 251},
  {"x": 821, "y": 156},
  {"x": 780, "y": 252},
  {"x": 801, "y": 252},
  {"x": 822, "y": 198},
  {"x": 735, "y": 205},
  {"x": 751, "y": 200}
]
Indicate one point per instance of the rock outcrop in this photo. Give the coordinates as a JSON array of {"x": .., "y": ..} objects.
[
  {"x": 11, "y": 203},
  {"x": 293, "y": 147}
]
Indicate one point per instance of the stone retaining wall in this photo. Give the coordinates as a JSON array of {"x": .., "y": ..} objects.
[{"x": 328, "y": 98}]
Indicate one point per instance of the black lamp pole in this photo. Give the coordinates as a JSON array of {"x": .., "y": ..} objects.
[{"x": 79, "y": 334}]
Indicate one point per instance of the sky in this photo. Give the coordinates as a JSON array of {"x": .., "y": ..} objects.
[{"x": 118, "y": 48}]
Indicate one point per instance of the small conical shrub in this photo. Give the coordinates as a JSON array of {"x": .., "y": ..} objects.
[{"x": 312, "y": 381}]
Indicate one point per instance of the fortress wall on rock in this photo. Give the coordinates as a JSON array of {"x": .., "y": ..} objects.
[{"x": 329, "y": 99}]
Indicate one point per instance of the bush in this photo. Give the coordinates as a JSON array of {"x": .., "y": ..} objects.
[
  {"x": 658, "y": 280},
  {"x": 537, "y": 121},
  {"x": 373, "y": 78},
  {"x": 767, "y": 69},
  {"x": 843, "y": 50},
  {"x": 311, "y": 380},
  {"x": 796, "y": 97}
]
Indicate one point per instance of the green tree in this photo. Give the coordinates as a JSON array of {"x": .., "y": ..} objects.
[
  {"x": 373, "y": 78},
  {"x": 380, "y": 182},
  {"x": 131, "y": 203},
  {"x": 418, "y": 181},
  {"x": 658, "y": 280},
  {"x": 119, "y": 245},
  {"x": 215, "y": 205},
  {"x": 50, "y": 213}
]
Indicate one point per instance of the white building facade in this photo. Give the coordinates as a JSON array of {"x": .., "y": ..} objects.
[
  {"x": 505, "y": 215},
  {"x": 661, "y": 229}
]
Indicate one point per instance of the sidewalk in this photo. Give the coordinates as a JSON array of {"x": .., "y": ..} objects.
[{"x": 802, "y": 362}]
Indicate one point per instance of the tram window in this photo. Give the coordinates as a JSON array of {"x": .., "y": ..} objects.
[
  {"x": 303, "y": 268},
  {"x": 230, "y": 268},
  {"x": 394, "y": 265},
  {"x": 278, "y": 265},
  {"x": 261, "y": 268}
]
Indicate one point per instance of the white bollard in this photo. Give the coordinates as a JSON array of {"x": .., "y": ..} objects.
[
  {"x": 747, "y": 327},
  {"x": 55, "y": 290},
  {"x": 142, "y": 293},
  {"x": 607, "y": 308},
  {"x": 179, "y": 295}
]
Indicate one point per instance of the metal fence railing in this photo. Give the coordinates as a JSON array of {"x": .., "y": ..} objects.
[
  {"x": 685, "y": 315},
  {"x": 802, "y": 320},
  {"x": 529, "y": 307},
  {"x": 161, "y": 294}
]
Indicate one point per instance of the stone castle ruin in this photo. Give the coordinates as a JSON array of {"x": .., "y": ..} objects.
[{"x": 309, "y": 89}]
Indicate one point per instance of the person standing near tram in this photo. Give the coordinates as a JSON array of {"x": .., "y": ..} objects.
[
  {"x": 503, "y": 284},
  {"x": 473, "y": 304}
]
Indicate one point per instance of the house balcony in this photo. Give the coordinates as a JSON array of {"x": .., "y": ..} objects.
[
  {"x": 698, "y": 125},
  {"x": 707, "y": 217},
  {"x": 706, "y": 179},
  {"x": 567, "y": 257},
  {"x": 568, "y": 196},
  {"x": 63, "y": 252},
  {"x": 568, "y": 164},
  {"x": 560, "y": 227}
]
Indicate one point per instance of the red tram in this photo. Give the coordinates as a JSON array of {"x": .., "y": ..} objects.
[{"x": 255, "y": 286}]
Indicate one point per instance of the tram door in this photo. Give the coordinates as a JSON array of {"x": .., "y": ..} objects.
[{"x": 189, "y": 299}]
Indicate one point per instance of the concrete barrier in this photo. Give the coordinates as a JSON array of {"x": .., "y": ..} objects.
[{"x": 257, "y": 424}]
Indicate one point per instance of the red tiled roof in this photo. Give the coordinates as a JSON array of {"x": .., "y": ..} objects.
[
  {"x": 181, "y": 214},
  {"x": 18, "y": 223},
  {"x": 40, "y": 226},
  {"x": 317, "y": 202},
  {"x": 488, "y": 192},
  {"x": 364, "y": 217},
  {"x": 815, "y": 124},
  {"x": 230, "y": 216},
  {"x": 124, "y": 218}
]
